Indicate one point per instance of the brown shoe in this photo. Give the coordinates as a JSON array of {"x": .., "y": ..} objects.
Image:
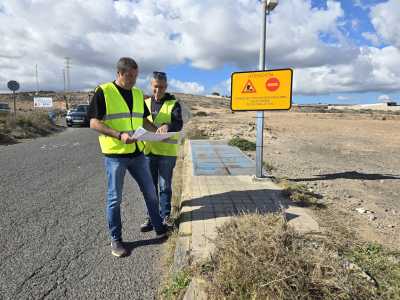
[{"x": 118, "y": 249}]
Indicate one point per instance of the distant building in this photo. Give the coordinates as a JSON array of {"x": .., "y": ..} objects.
[{"x": 387, "y": 106}]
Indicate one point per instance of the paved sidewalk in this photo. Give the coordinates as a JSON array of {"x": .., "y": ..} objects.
[{"x": 212, "y": 194}]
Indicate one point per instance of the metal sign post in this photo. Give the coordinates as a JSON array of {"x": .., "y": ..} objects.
[
  {"x": 260, "y": 114},
  {"x": 262, "y": 90},
  {"x": 15, "y": 107},
  {"x": 14, "y": 86}
]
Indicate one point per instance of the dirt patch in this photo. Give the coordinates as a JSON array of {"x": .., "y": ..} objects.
[{"x": 351, "y": 160}]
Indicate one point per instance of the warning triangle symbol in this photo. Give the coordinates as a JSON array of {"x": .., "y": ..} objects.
[{"x": 249, "y": 87}]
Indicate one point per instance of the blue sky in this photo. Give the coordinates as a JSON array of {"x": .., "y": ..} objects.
[{"x": 344, "y": 51}]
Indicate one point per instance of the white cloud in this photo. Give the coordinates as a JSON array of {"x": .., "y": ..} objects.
[
  {"x": 384, "y": 98},
  {"x": 193, "y": 88},
  {"x": 386, "y": 19},
  {"x": 373, "y": 70},
  {"x": 158, "y": 33},
  {"x": 372, "y": 37},
  {"x": 174, "y": 85},
  {"x": 343, "y": 98},
  {"x": 94, "y": 33},
  {"x": 361, "y": 4},
  {"x": 206, "y": 34}
]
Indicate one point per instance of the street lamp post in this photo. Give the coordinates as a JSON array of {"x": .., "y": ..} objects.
[{"x": 267, "y": 7}]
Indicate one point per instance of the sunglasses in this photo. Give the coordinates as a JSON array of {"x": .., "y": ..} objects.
[{"x": 159, "y": 75}]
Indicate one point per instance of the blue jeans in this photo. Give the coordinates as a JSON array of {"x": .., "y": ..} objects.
[
  {"x": 139, "y": 170},
  {"x": 162, "y": 168}
]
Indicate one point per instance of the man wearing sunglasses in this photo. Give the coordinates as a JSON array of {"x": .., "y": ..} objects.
[
  {"x": 166, "y": 115},
  {"x": 116, "y": 110}
]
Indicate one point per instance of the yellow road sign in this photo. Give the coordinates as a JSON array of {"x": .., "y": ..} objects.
[{"x": 262, "y": 90}]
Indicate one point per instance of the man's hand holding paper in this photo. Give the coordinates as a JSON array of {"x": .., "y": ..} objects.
[{"x": 142, "y": 134}]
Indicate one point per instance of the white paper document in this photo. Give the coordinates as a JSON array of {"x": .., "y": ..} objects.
[{"x": 142, "y": 134}]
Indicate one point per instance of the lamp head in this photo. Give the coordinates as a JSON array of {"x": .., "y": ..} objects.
[{"x": 271, "y": 4}]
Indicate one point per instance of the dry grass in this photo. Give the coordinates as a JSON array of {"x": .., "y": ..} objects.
[
  {"x": 200, "y": 114},
  {"x": 300, "y": 195},
  {"x": 269, "y": 167},
  {"x": 193, "y": 132},
  {"x": 175, "y": 284},
  {"x": 381, "y": 264},
  {"x": 27, "y": 125},
  {"x": 260, "y": 257}
]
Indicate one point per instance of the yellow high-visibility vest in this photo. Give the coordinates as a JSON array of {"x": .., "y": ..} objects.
[
  {"x": 168, "y": 147},
  {"x": 119, "y": 117}
]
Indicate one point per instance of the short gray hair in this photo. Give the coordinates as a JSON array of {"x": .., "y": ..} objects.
[
  {"x": 159, "y": 75},
  {"x": 125, "y": 64}
]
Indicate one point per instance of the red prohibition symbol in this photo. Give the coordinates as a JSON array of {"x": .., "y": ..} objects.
[{"x": 272, "y": 84}]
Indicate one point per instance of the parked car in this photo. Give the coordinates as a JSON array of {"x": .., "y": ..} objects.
[
  {"x": 78, "y": 116},
  {"x": 4, "y": 108}
]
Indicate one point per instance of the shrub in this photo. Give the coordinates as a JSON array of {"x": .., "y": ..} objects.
[
  {"x": 242, "y": 144},
  {"x": 381, "y": 264},
  {"x": 260, "y": 257},
  {"x": 200, "y": 114},
  {"x": 300, "y": 194},
  {"x": 196, "y": 134}
]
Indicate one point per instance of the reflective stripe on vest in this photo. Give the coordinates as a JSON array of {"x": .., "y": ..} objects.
[
  {"x": 119, "y": 117},
  {"x": 168, "y": 147}
]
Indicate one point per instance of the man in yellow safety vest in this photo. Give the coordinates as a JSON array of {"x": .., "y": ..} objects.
[
  {"x": 166, "y": 115},
  {"x": 116, "y": 110}
]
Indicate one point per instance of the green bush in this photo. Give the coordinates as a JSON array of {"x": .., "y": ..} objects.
[
  {"x": 242, "y": 144},
  {"x": 177, "y": 286}
]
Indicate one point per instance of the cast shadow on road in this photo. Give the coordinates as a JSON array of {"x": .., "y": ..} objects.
[
  {"x": 136, "y": 244},
  {"x": 234, "y": 203},
  {"x": 348, "y": 175},
  {"x": 6, "y": 140}
]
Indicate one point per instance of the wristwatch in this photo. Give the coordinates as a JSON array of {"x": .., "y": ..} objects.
[{"x": 119, "y": 135}]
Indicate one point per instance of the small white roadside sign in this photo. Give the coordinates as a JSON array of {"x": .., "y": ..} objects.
[{"x": 42, "y": 102}]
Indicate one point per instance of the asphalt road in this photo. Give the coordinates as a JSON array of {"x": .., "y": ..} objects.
[{"x": 53, "y": 241}]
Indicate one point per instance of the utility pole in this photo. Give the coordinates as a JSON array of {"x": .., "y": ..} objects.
[
  {"x": 66, "y": 79},
  {"x": 67, "y": 67},
  {"x": 64, "y": 94},
  {"x": 37, "y": 79}
]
